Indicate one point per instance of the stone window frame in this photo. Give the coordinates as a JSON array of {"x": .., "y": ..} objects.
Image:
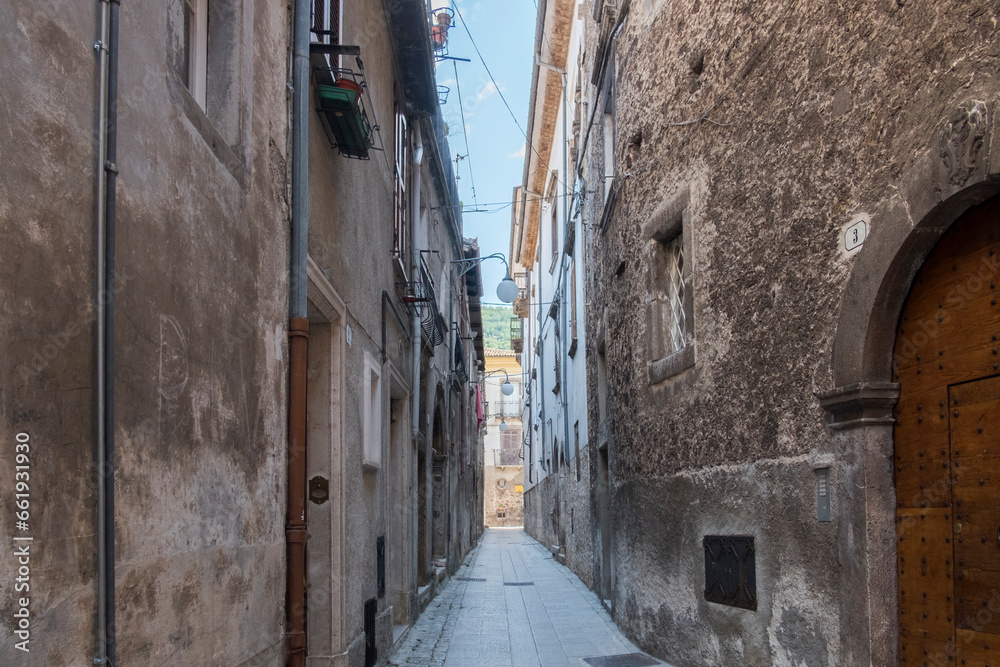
[
  {"x": 371, "y": 412},
  {"x": 553, "y": 202},
  {"x": 672, "y": 220},
  {"x": 222, "y": 113}
]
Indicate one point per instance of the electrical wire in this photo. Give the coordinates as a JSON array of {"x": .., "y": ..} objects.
[
  {"x": 506, "y": 204},
  {"x": 465, "y": 132},
  {"x": 500, "y": 92}
]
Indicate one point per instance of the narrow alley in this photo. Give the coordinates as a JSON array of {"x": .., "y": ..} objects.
[{"x": 512, "y": 604}]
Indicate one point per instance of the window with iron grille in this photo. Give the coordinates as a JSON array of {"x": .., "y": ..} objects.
[
  {"x": 675, "y": 294},
  {"x": 671, "y": 323},
  {"x": 669, "y": 316},
  {"x": 326, "y": 15}
]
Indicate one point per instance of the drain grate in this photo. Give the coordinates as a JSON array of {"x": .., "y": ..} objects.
[
  {"x": 470, "y": 579},
  {"x": 623, "y": 660},
  {"x": 518, "y": 583}
]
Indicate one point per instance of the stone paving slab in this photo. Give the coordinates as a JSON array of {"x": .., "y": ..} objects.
[{"x": 512, "y": 605}]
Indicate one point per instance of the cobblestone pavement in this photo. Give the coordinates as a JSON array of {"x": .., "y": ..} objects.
[{"x": 512, "y": 605}]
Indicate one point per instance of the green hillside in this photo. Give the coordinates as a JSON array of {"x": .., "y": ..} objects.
[{"x": 496, "y": 326}]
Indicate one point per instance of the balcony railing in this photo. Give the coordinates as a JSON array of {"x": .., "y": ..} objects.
[
  {"x": 441, "y": 22},
  {"x": 516, "y": 334},
  {"x": 344, "y": 105}
]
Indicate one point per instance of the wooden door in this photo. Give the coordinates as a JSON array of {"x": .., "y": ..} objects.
[{"x": 947, "y": 451}]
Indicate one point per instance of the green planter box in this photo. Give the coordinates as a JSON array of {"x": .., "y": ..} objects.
[{"x": 351, "y": 130}]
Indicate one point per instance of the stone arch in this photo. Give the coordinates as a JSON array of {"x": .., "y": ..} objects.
[
  {"x": 905, "y": 228},
  {"x": 957, "y": 171}
]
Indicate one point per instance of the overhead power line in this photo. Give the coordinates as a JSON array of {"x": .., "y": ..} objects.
[
  {"x": 465, "y": 131},
  {"x": 527, "y": 140}
]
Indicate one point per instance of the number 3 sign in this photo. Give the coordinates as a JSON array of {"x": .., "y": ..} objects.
[{"x": 855, "y": 233}]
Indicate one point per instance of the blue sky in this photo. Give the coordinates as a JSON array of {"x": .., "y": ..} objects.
[{"x": 504, "y": 31}]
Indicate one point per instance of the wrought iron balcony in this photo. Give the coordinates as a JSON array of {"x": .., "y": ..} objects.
[{"x": 516, "y": 334}]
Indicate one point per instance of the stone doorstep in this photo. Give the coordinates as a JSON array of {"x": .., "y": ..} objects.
[
  {"x": 424, "y": 595},
  {"x": 558, "y": 552},
  {"x": 399, "y": 635}
]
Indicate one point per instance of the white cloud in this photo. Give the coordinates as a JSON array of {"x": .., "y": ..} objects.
[
  {"x": 488, "y": 91},
  {"x": 518, "y": 154}
]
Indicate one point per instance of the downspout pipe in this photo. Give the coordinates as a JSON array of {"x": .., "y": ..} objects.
[
  {"x": 106, "y": 474},
  {"x": 416, "y": 346},
  {"x": 417, "y": 343},
  {"x": 298, "y": 340},
  {"x": 102, "y": 155}
]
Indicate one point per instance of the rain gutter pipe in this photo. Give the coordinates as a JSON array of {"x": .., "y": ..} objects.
[
  {"x": 418, "y": 159},
  {"x": 298, "y": 340},
  {"x": 107, "y": 149}
]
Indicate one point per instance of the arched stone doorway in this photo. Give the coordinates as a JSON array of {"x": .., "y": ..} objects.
[
  {"x": 947, "y": 450},
  {"x": 935, "y": 192}
]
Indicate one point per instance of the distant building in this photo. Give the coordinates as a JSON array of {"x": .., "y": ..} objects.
[{"x": 503, "y": 479}]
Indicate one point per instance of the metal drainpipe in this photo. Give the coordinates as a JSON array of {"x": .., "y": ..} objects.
[
  {"x": 298, "y": 339},
  {"x": 102, "y": 50},
  {"x": 416, "y": 345},
  {"x": 451, "y": 431},
  {"x": 564, "y": 340},
  {"x": 418, "y": 158},
  {"x": 106, "y": 358}
]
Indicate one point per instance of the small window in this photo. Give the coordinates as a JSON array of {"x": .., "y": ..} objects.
[
  {"x": 670, "y": 293},
  {"x": 372, "y": 413},
  {"x": 572, "y": 306},
  {"x": 510, "y": 443},
  {"x": 602, "y": 384},
  {"x": 576, "y": 449},
  {"x": 671, "y": 320},
  {"x": 399, "y": 235},
  {"x": 326, "y": 17},
  {"x": 553, "y": 204},
  {"x": 195, "y": 68},
  {"x": 210, "y": 63}
]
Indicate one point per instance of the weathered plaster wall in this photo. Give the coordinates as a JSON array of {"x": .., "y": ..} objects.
[
  {"x": 201, "y": 356},
  {"x": 200, "y": 351},
  {"x": 47, "y": 208},
  {"x": 810, "y": 113}
]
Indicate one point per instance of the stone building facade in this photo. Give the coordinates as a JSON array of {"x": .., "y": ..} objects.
[
  {"x": 197, "y": 542},
  {"x": 503, "y": 438},
  {"x": 791, "y": 301},
  {"x": 547, "y": 242}
]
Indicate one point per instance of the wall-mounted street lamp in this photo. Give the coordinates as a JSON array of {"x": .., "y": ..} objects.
[
  {"x": 507, "y": 388},
  {"x": 503, "y": 425},
  {"x": 507, "y": 289}
]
